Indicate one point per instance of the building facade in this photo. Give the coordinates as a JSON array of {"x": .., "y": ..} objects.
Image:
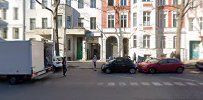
[{"x": 12, "y": 20}]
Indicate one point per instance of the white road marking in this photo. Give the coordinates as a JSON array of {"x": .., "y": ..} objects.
[
  {"x": 111, "y": 84},
  {"x": 184, "y": 79},
  {"x": 167, "y": 84},
  {"x": 179, "y": 83},
  {"x": 190, "y": 83},
  {"x": 157, "y": 84},
  {"x": 100, "y": 83},
  {"x": 145, "y": 83},
  {"x": 134, "y": 83},
  {"x": 122, "y": 84},
  {"x": 200, "y": 83}
]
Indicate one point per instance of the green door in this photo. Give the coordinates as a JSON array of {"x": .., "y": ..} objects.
[
  {"x": 194, "y": 49},
  {"x": 79, "y": 48}
]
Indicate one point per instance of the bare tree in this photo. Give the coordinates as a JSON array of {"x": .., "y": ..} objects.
[
  {"x": 182, "y": 9},
  {"x": 54, "y": 12}
]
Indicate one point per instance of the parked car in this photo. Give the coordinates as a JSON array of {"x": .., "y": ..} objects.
[
  {"x": 199, "y": 65},
  {"x": 161, "y": 65},
  {"x": 57, "y": 62},
  {"x": 119, "y": 64}
]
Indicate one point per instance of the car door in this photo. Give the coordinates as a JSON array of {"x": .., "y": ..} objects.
[
  {"x": 162, "y": 65},
  {"x": 173, "y": 64}
]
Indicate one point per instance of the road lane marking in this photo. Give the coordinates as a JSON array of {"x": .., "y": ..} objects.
[
  {"x": 134, "y": 83},
  {"x": 191, "y": 84},
  {"x": 167, "y": 84},
  {"x": 179, "y": 83},
  {"x": 100, "y": 83},
  {"x": 122, "y": 84},
  {"x": 111, "y": 84},
  {"x": 145, "y": 83},
  {"x": 157, "y": 84},
  {"x": 184, "y": 79},
  {"x": 200, "y": 83}
]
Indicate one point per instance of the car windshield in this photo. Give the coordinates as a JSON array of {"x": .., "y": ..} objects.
[{"x": 152, "y": 60}]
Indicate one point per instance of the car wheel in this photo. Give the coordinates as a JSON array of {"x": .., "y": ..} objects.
[
  {"x": 12, "y": 80},
  {"x": 108, "y": 70},
  {"x": 152, "y": 71},
  {"x": 132, "y": 71},
  {"x": 179, "y": 70}
]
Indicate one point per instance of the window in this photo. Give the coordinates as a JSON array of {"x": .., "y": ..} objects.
[
  {"x": 44, "y": 3},
  {"x": 15, "y": 33},
  {"x": 146, "y": 0},
  {"x": 93, "y": 4},
  {"x": 69, "y": 22},
  {"x": 59, "y": 19},
  {"x": 32, "y": 23},
  {"x": 92, "y": 22},
  {"x": 123, "y": 20},
  {"x": 4, "y": 33},
  {"x": 69, "y": 44},
  {"x": 123, "y": 2},
  {"x": 165, "y": 19},
  {"x": 146, "y": 18},
  {"x": 32, "y": 4},
  {"x": 174, "y": 20},
  {"x": 163, "y": 42},
  {"x": 173, "y": 61},
  {"x": 134, "y": 19},
  {"x": 110, "y": 21},
  {"x": 134, "y": 41},
  {"x": 44, "y": 23},
  {"x": 4, "y": 14},
  {"x": 80, "y": 3},
  {"x": 191, "y": 24},
  {"x": 162, "y": 2},
  {"x": 110, "y": 2},
  {"x": 15, "y": 17},
  {"x": 201, "y": 23},
  {"x": 68, "y": 2},
  {"x": 80, "y": 23},
  {"x": 174, "y": 42},
  {"x": 175, "y": 2},
  {"x": 146, "y": 41},
  {"x": 201, "y": 4},
  {"x": 134, "y": 1}
]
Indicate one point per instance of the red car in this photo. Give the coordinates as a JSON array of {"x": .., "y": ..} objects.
[{"x": 161, "y": 65}]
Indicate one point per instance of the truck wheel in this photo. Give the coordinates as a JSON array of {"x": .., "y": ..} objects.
[{"x": 12, "y": 80}]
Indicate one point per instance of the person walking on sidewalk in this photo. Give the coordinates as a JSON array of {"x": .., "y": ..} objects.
[
  {"x": 64, "y": 68},
  {"x": 94, "y": 60}
]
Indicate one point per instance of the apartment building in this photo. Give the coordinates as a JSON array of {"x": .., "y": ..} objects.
[
  {"x": 143, "y": 38},
  {"x": 12, "y": 20}
]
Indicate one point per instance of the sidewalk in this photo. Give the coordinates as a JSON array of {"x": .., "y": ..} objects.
[{"x": 84, "y": 64}]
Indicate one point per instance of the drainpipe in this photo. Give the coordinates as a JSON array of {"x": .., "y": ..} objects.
[{"x": 23, "y": 19}]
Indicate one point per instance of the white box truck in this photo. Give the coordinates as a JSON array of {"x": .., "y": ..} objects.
[{"x": 21, "y": 59}]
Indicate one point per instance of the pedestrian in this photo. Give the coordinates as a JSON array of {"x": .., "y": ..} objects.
[
  {"x": 64, "y": 68},
  {"x": 134, "y": 57},
  {"x": 94, "y": 60}
]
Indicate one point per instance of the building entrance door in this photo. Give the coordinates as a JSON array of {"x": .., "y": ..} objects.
[
  {"x": 194, "y": 49},
  {"x": 79, "y": 48}
]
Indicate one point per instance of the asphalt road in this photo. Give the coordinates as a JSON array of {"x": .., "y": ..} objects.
[{"x": 86, "y": 84}]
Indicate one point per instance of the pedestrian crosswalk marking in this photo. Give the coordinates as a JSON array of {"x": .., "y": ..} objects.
[
  {"x": 100, "y": 83},
  {"x": 122, "y": 84},
  {"x": 134, "y": 83},
  {"x": 156, "y": 83},
  {"x": 111, "y": 84},
  {"x": 167, "y": 84},
  {"x": 145, "y": 83},
  {"x": 190, "y": 83},
  {"x": 179, "y": 83}
]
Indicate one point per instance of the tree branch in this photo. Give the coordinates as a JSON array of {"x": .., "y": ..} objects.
[{"x": 44, "y": 6}]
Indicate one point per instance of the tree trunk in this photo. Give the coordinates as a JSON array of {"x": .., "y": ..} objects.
[
  {"x": 178, "y": 31},
  {"x": 55, "y": 33}
]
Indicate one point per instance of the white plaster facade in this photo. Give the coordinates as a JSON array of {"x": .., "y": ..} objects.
[{"x": 10, "y": 24}]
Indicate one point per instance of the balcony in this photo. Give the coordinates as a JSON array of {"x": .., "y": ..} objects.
[{"x": 78, "y": 31}]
